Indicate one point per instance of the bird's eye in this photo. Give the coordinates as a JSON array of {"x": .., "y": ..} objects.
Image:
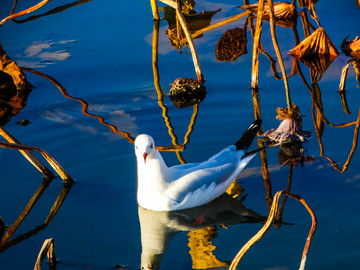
[{"x": 151, "y": 146}]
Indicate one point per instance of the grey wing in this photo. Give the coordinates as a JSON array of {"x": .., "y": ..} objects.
[
  {"x": 200, "y": 179},
  {"x": 224, "y": 156}
]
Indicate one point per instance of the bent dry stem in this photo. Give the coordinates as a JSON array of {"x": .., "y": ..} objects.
[{"x": 269, "y": 222}]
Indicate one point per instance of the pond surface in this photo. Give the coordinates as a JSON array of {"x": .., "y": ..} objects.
[{"x": 101, "y": 52}]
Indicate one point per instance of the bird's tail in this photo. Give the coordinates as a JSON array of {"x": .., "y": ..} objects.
[{"x": 246, "y": 139}]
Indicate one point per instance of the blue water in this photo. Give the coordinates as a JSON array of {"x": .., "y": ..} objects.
[{"x": 101, "y": 52}]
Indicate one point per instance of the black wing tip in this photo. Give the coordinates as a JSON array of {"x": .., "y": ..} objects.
[{"x": 246, "y": 139}]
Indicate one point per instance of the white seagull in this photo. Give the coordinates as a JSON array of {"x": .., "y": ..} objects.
[{"x": 161, "y": 188}]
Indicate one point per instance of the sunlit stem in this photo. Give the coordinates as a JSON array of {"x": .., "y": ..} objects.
[
  {"x": 27, "y": 154},
  {"x": 343, "y": 77},
  {"x": 48, "y": 250},
  {"x": 56, "y": 166},
  {"x": 267, "y": 227},
  {"x": 190, "y": 41},
  {"x": 313, "y": 13},
  {"x": 24, "y": 12},
  {"x": 216, "y": 25},
  {"x": 278, "y": 53},
  {"x": 181, "y": 18},
  {"x": 155, "y": 9},
  {"x": 256, "y": 46}
]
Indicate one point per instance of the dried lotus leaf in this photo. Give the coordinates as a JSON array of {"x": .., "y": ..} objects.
[
  {"x": 284, "y": 12},
  {"x": 316, "y": 51}
]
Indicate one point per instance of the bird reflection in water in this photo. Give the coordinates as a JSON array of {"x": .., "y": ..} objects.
[{"x": 159, "y": 227}]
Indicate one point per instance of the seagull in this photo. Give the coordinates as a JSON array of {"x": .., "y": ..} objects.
[{"x": 163, "y": 188}]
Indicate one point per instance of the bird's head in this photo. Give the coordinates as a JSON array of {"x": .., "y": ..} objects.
[{"x": 144, "y": 147}]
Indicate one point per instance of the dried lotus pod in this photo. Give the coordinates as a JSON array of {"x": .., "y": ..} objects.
[
  {"x": 231, "y": 45},
  {"x": 284, "y": 12},
  {"x": 186, "y": 92},
  {"x": 316, "y": 51},
  {"x": 351, "y": 48}
]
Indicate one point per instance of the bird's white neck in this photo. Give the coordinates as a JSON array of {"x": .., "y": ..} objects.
[{"x": 151, "y": 177}]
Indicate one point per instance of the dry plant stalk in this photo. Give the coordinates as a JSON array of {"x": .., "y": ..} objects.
[
  {"x": 278, "y": 53},
  {"x": 26, "y": 11},
  {"x": 190, "y": 41},
  {"x": 155, "y": 9},
  {"x": 48, "y": 250},
  {"x": 27, "y": 154},
  {"x": 353, "y": 148},
  {"x": 266, "y": 228},
  {"x": 56, "y": 166},
  {"x": 216, "y": 25},
  {"x": 256, "y": 46},
  {"x": 181, "y": 18}
]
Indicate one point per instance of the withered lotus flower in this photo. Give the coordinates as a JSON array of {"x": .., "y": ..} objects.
[
  {"x": 351, "y": 48},
  {"x": 290, "y": 129},
  {"x": 186, "y": 92},
  {"x": 284, "y": 12},
  {"x": 316, "y": 51},
  {"x": 231, "y": 45}
]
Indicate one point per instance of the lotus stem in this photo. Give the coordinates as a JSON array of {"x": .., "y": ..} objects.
[
  {"x": 190, "y": 41},
  {"x": 155, "y": 9},
  {"x": 267, "y": 225},
  {"x": 26, "y": 11},
  {"x": 56, "y": 166},
  {"x": 27, "y": 154},
  {"x": 278, "y": 53},
  {"x": 48, "y": 250},
  {"x": 256, "y": 46},
  {"x": 216, "y": 25}
]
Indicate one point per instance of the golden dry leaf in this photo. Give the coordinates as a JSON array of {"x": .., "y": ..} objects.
[
  {"x": 10, "y": 67},
  {"x": 284, "y": 12},
  {"x": 316, "y": 51},
  {"x": 351, "y": 48}
]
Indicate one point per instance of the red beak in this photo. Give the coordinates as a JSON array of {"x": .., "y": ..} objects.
[{"x": 145, "y": 155}]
